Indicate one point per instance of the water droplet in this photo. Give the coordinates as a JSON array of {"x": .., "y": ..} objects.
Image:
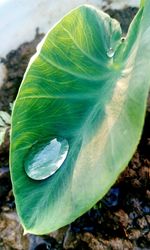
[
  {"x": 123, "y": 39},
  {"x": 110, "y": 53},
  {"x": 44, "y": 159}
]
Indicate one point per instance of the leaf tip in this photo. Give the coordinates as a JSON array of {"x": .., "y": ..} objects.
[
  {"x": 25, "y": 232},
  {"x": 142, "y": 3}
]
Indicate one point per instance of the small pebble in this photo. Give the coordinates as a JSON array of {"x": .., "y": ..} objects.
[{"x": 134, "y": 234}]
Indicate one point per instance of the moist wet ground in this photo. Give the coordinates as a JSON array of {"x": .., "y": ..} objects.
[{"x": 119, "y": 221}]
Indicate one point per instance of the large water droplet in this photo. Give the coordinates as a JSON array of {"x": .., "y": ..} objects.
[
  {"x": 44, "y": 159},
  {"x": 110, "y": 53}
]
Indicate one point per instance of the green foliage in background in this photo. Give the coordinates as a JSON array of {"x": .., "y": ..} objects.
[{"x": 5, "y": 121}]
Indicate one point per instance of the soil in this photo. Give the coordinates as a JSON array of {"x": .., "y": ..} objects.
[{"x": 120, "y": 221}]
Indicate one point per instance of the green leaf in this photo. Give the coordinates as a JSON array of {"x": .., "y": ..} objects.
[
  {"x": 89, "y": 88},
  {"x": 142, "y": 3}
]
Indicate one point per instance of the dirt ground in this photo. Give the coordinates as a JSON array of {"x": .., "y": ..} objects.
[{"x": 120, "y": 221}]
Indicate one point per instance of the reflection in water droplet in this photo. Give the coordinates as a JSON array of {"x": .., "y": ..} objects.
[
  {"x": 110, "y": 53},
  {"x": 44, "y": 159}
]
